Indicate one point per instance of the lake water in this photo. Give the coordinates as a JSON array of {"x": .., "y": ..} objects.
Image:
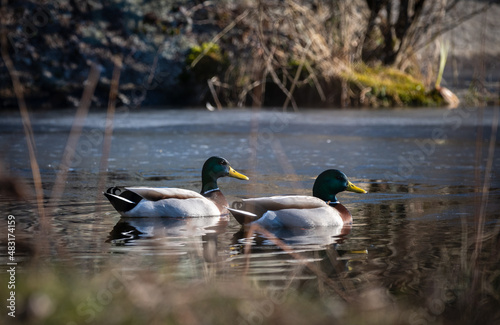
[{"x": 424, "y": 171}]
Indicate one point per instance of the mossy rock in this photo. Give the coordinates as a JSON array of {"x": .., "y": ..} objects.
[{"x": 390, "y": 87}]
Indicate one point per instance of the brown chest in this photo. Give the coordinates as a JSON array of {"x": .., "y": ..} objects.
[
  {"x": 219, "y": 199},
  {"x": 344, "y": 213}
]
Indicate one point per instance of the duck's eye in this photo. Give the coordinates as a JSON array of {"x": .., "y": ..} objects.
[
  {"x": 340, "y": 178},
  {"x": 223, "y": 162}
]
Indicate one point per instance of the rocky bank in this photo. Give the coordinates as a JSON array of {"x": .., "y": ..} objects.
[{"x": 53, "y": 44}]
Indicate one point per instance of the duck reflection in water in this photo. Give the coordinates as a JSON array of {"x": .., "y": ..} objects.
[
  {"x": 130, "y": 231},
  {"x": 294, "y": 256},
  {"x": 293, "y": 237}
]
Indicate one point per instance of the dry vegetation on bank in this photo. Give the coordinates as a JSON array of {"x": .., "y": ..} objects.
[{"x": 273, "y": 53}]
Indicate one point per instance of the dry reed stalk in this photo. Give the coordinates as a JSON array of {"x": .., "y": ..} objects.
[
  {"x": 285, "y": 163},
  {"x": 108, "y": 131},
  {"x": 481, "y": 183},
  {"x": 30, "y": 139},
  {"x": 74, "y": 136},
  {"x": 248, "y": 245},
  {"x": 299, "y": 257},
  {"x": 253, "y": 143},
  {"x": 485, "y": 190}
]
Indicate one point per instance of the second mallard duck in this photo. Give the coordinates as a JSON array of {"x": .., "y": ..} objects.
[
  {"x": 320, "y": 210},
  {"x": 176, "y": 202}
]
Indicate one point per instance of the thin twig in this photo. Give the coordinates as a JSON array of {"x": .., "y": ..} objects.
[
  {"x": 319, "y": 89},
  {"x": 152, "y": 73},
  {"x": 280, "y": 85},
  {"x": 219, "y": 36},
  {"x": 214, "y": 93},
  {"x": 451, "y": 26},
  {"x": 297, "y": 74},
  {"x": 250, "y": 233},
  {"x": 245, "y": 91}
]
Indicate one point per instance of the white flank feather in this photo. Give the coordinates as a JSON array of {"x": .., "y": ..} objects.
[
  {"x": 301, "y": 218},
  {"x": 177, "y": 208}
]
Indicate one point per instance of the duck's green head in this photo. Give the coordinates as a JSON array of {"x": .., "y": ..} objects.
[
  {"x": 332, "y": 181},
  {"x": 214, "y": 168}
]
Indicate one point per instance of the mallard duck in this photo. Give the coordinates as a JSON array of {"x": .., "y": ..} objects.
[
  {"x": 176, "y": 202},
  {"x": 321, "y": 209}
]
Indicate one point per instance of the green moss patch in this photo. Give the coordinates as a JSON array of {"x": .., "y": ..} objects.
[
  {"x": 206, "y": 60},
  {"x": 384, "y": 86}
]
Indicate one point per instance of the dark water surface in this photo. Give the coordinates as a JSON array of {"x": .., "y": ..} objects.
[{"x": 413, "y": 233}]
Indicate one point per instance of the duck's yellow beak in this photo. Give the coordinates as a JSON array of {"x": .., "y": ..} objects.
[
  {"x": 235, "y": 174},
  {"x": 353, "y": 188}
]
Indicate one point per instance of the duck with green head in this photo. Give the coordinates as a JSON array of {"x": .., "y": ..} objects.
[
  {"x": 176, "y": 202},
  {"x": 320, "y": 210}
]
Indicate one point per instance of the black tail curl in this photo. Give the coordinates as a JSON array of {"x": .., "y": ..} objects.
[
  {"x": 114, "y": 190},
  {"x": 129, "y": 201}
]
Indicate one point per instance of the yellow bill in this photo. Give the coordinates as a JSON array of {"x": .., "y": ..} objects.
[
  {"x": 235, "y": 174},
  {"x": 353, "y": 188}
]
